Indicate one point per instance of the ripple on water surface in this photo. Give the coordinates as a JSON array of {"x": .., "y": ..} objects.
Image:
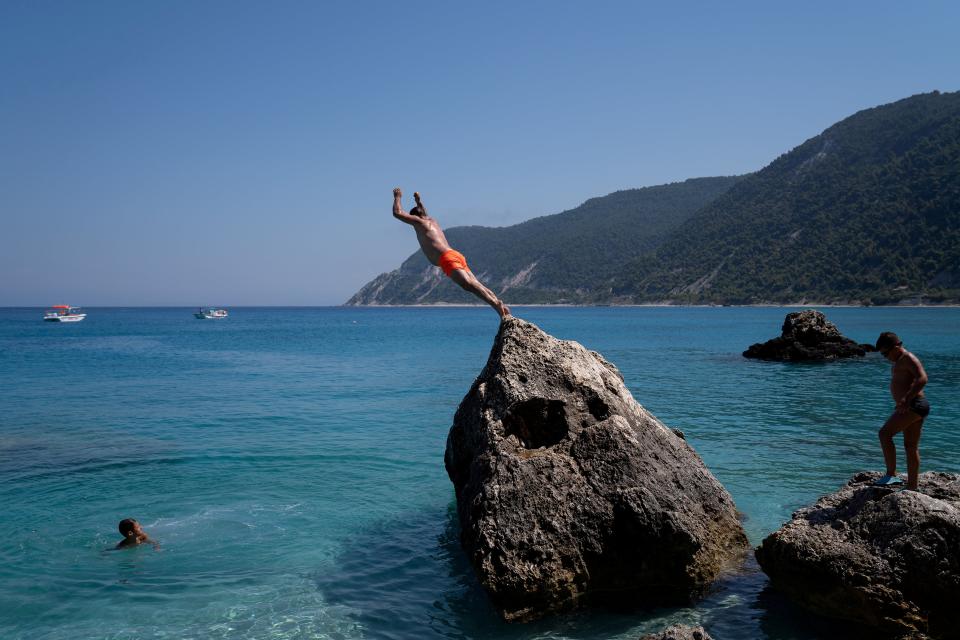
[{"x": 290, "y": 462}]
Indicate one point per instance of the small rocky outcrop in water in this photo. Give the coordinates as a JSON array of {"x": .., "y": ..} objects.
[
  {"x": 807, "y": 335},
  {"x": 679, "y": 632},
  {"x": 569, "y": 492},
  {"x": 887, "y": 559}
]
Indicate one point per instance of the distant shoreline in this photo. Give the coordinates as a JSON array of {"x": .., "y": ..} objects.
[
  {"x": 659, "y": 304},
  {"x": 453, "y": 305}
]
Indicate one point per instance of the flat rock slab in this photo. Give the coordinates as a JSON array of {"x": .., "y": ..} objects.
[
  {"x": 807, "y": 336},
  {"x": 887, "y": 559},
  {"x": 570, "y": 493},
  {"x": 679, "y": 632}
]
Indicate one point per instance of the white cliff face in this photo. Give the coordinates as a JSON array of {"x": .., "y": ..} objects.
[
  {"x": 430, "y": 278},
  {"x": 421, "y": 284},
  {"x": 520, "y": 278},
  {"x": 371, "y": 293},
  {"x": 701, "y": 283},
  {"x": 412, "y": 287},
  {"x": 819, "y": 156}
]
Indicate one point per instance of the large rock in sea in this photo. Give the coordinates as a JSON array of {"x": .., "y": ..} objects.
[
  {"x": 807, "y": 335},
  {"x": 570, "y": 493},
  {"x": 679, "y": 632},
  {"x": 886, "y": 559}
]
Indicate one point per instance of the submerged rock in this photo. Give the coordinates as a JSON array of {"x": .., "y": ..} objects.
[
  {"x": 569, "y": 492},
  {"x": 807, "y": 335},
  {"x": 887, "y": 559},
  {"x": 679, "y": 632}
]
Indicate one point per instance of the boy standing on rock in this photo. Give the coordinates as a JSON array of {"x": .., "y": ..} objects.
[
  {"x": 906, "y": 386},
  {"x": 439, "y": 253}
]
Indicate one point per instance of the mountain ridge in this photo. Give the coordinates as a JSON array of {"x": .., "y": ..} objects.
[
  {"x": 866, "y": 212},
  {"x": 547, "y": 259}
]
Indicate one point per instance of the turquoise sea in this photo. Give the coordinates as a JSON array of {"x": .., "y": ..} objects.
[{"x": 290, "y": 462}]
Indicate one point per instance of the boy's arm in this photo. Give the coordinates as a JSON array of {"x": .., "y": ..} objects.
[
  {"x": 913, "y": 365},
  {"x": 919, "y": 379},
  {"x": 398, "y": 211}
]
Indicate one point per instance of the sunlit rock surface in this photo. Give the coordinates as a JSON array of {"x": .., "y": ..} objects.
[
  {"x": 887, "y": 559},
  {"x": 571, "y": 493}
]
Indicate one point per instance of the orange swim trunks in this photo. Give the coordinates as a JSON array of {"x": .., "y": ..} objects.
[{"x": 450, "y": 260}]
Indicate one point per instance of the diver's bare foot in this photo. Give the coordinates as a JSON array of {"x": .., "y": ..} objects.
[{"x": 504, "y": 311}]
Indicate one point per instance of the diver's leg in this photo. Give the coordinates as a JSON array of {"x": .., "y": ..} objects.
[{"x": 469, "y": 282}]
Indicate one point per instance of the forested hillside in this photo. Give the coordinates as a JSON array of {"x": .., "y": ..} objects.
[
  {"x": 866, "y": 212},
  {"x": 555, "y": 258}
]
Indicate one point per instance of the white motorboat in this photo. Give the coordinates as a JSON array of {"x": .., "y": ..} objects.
[
  {"x": 63, "y": 313},
  {"x": 210, "y": 313}
]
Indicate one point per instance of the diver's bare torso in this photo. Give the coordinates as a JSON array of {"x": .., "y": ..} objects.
[{"x": 431, "y": 238}]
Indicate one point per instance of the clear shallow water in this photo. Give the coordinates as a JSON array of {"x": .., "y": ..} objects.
[{"x": 290, "y": 461}]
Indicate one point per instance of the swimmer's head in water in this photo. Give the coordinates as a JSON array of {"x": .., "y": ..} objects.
[{"x": 129, "y": 526}]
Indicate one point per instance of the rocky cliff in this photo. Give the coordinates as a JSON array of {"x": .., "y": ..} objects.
[{"x": 569, "y": 492}]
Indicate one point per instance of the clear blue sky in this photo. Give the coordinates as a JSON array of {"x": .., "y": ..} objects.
[{"x": 244, "y": 152}]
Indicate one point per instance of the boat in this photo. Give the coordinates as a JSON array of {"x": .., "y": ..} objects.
[
  {"x": 210, "y": 313},
  {"x": 63, "y": 313}
]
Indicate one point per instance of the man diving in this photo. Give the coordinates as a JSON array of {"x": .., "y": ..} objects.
[{"x": 439, "y": 253}]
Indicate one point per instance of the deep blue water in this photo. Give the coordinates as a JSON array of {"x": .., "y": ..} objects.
[{"x": 290, "y": 462}]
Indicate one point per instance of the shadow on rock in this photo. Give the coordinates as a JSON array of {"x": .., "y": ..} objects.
[{"x": 782, "y": 619}]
